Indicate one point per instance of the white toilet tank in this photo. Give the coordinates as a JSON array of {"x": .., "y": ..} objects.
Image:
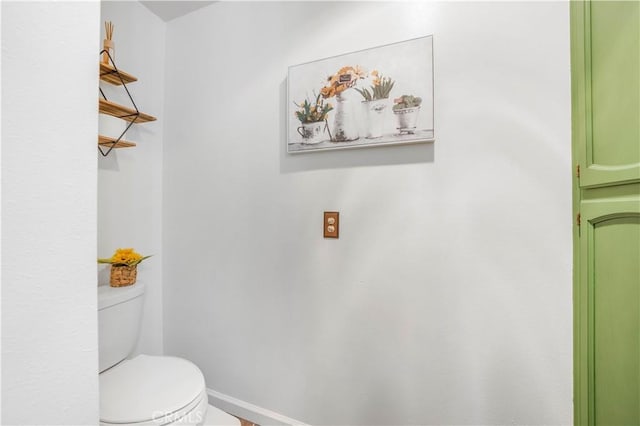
[{"x": 119, "y": 318}]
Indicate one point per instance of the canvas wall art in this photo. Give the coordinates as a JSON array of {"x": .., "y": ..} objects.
[{"x": 373, "y": 97}]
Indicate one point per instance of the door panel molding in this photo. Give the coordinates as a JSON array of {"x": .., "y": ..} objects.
[{"x": 597, "y": 218}]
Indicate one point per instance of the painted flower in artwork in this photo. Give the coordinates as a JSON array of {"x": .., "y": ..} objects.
[
  {"x": 312, "y": 112},
  {"x": 344, "y": 79}
]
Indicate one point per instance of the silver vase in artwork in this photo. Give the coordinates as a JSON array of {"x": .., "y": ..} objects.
[{"x": 406, "y": 119}]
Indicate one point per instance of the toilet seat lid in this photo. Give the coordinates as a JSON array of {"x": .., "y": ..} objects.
[{"x": 147, "y": 387}]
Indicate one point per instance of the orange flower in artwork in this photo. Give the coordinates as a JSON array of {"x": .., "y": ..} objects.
[
  {"x": 344, "y": 79},
  {"x": 375, "y": 78}
]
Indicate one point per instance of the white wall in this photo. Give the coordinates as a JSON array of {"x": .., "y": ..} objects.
[
  {"x": 447, "y": 298},
  {"x": 0, "y": 227},
  {"x": 130, "y": 180},
  {"x": 49, "y": 171}
]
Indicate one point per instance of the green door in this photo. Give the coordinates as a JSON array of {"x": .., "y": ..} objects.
[{"x": 605, "y": 62}]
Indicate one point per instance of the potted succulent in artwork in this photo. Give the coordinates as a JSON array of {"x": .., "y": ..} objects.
[
  {"x": 312, "y": 117},
  {"x": 406, "y": 109},
  {"x": 376, "y": 101}
]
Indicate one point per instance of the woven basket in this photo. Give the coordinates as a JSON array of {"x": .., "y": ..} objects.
[{"x": 122, "y": 275}]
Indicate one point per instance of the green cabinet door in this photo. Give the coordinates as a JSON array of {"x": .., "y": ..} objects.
[
  {"x": 605, "y": 49},
  {"x": 609, "y": 304},
  {"x": 605, "y": 65}
]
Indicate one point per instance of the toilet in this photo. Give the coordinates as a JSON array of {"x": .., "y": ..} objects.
[{"x": 144, "y": 390}]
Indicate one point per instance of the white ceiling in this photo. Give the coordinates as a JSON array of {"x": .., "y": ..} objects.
[{"x": 168, "y": 10}]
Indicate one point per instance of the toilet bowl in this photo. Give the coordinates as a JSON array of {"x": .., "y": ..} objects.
[
  {"x": 143, "y": 390},
  {"x": 153, "y": 390}
]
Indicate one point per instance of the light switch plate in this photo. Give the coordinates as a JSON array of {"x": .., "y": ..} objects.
[{"x": 331, "y": 224}]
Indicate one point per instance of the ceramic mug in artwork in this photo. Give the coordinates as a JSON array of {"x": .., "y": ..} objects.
[{"x": 311, "y": 132}]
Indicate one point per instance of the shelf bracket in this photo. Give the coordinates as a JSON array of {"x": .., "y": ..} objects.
[{"x": 135, "y": 116}]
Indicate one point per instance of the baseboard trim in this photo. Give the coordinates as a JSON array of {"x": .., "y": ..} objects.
[{"x": 248, "y": 411}]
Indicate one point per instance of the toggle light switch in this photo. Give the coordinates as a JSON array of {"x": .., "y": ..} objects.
[{"x": 330, "y": 224}]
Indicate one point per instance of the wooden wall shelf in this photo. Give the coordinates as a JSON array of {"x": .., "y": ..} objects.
[
  {"x": 109, "y": 74},
  {"x": 107, "y": 142},
  {"x": 120, "y": 111}
]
